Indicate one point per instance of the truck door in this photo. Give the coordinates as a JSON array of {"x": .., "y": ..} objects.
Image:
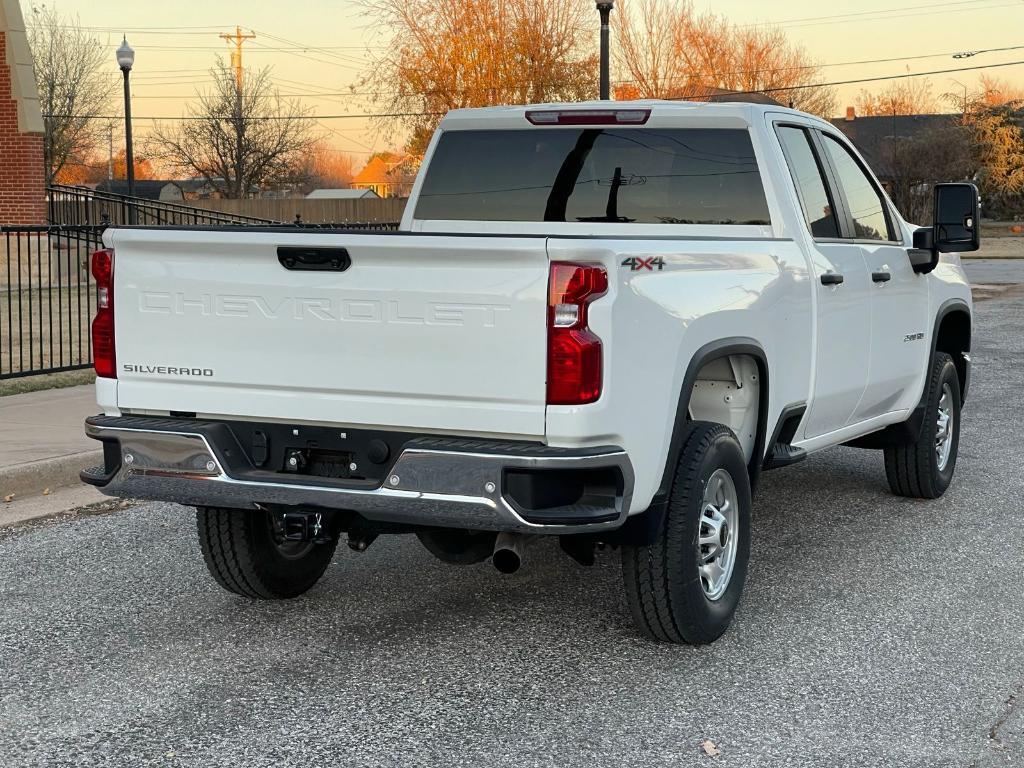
[
  {"x": 899, "y": 296},
  {"x": 843, "y": 342}
]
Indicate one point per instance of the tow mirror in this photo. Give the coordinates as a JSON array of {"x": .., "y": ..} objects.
[{"x": 957, "y": 226}]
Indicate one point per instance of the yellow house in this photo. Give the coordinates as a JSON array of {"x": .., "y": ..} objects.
[{"x": 387, "y": 174}]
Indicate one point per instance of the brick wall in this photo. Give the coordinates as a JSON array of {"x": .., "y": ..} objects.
[{"x": 22, "y": 177}]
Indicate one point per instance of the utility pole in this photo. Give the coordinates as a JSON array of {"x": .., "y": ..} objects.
[
  {"x": 236, "y": 57},
  {"x": 236, "y": 62}
]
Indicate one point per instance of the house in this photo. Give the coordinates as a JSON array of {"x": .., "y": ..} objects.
[
  {"x": 147, "y": 189},
  {"x": 387, "y": 175},
  {"x": 875, "y": 135},
  {"x": 199, "y": 189},
  {"x": 343, "y": 194}
]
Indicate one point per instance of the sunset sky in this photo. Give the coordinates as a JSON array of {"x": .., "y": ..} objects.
[{"x": 318, "y": 48}]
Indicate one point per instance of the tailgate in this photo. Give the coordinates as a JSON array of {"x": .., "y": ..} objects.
[{"x": 437, "y": 333}]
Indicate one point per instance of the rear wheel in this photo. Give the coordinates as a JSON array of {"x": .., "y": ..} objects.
[
  {"x": 684, "y": 588},
  {"x": 923, "y": 469},
  {"x": 246, "y": 553}
]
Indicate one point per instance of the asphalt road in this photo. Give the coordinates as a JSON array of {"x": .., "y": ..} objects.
[{"x": 874, "y": 631}]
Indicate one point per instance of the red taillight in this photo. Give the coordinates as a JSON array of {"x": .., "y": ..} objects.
[
  {"x": 574, "y": 351},
  {"x": 588, "y": 116},
  {"x": 103, "y": 324}
]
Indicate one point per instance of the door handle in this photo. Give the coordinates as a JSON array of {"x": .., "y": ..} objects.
[
  {"x": 314, "y": 259},
  {"x": 881, "y": 277},
  {"x": 831, "y": 278}
]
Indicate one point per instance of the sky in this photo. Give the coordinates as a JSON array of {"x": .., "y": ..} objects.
[{"x": 318, "y": 48}]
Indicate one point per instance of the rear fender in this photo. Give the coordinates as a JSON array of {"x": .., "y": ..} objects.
[{"x": 643, "y": 528}]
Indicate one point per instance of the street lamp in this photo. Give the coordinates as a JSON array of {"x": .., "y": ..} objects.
[
  {"x": 125, "y": 60},
  {"x": 604, "y": 7}
]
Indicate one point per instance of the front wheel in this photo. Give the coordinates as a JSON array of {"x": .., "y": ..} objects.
[
  {"x": 923, "y": 469},
  {"x": 684, "y": 587},
  {"x": 246, "y": 553}
]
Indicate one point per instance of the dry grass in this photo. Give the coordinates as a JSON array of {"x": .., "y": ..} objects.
[
  {"x": 46, "y": 381},
  {"x": 46, "y": 301},
  {"x": 46, "y": 328}
]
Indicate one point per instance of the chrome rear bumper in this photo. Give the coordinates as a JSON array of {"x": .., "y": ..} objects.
[{"x": 165, "y": 460}]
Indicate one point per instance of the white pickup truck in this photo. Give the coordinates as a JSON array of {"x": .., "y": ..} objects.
[{"x": 598, "y": 321}]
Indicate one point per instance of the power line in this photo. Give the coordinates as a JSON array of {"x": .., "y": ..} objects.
[
  {"x": 388, "y": 115},
  {"x": 307, "y": 90},
  {"x": 875, "y": 15},
  {"x": 852, "y": 63},
  {"x": 862, "y": 80},
  {"x": 319, "y": 49}
]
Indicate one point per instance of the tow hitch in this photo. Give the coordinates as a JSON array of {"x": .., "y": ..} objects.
[{"x": 303, "y": 526}]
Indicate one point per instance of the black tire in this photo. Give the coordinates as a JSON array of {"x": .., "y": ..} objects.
[
  {"x": 245, "y": 557},
  {"x": 913, "y": 468},
  {"x": 664, "y": 588},
  {"x": 456, "y": 546}
]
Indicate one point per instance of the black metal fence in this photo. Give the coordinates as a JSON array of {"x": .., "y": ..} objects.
[
  {"x": 47, "y": 293},
  {"x": 82, "y": 206},
  {"x": 47, "y": 296}
]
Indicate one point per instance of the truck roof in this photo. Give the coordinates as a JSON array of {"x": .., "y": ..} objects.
[{"x": 514, "y": 115}]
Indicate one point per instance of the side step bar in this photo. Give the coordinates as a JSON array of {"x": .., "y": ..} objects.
[
  {"x": 780, "y": 452},
  {"x": 783, "y": 455}
]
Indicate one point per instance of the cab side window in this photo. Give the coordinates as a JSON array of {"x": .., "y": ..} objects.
[
  {"x": 866, "y": 205},
  {"x": 814, "y": 199}
]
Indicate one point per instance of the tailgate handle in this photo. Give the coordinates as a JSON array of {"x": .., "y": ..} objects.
[{"x": 314, "y": 259}]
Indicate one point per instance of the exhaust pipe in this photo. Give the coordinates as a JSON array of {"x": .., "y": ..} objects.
[{"x": 508, "y": 551}]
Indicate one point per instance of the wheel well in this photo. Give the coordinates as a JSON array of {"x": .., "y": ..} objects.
[
  {"x": 706, "y": 366},
  {"x": 954, "y": 338},
  {"x": 727, "y": 390}
]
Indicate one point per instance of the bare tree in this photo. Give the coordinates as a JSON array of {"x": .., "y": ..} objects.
[
  {"x": 238, "y": 139},
  {"x": 649, "y": 37},
  {"x": 446, "y": 54},
  {"x": 327, "y": 168},
  {"x": 73, "y": 76},
  {"x": 667, "y": 50},
  {"x": 912, "y": 96},
  {"x": 924, "y": 158}
]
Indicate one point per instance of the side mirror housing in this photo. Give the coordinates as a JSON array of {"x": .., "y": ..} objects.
[
  {"x": 956, "y": 228},
  {"x": 923, "y": 256},
  {"x": 957, "y": 220}
]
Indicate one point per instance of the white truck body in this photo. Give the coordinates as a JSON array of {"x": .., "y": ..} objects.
[{"x": 440, "y": 329}]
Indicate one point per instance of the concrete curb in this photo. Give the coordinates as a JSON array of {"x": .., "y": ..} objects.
[{"x": 34, "y": 477}]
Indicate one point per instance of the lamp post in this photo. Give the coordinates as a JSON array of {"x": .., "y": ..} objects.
[
  {"x": 125, "y": 60},
  {"x": 604, "y": 7}
]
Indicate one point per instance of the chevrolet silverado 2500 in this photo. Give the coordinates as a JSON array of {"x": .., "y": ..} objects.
[{"x": 598, "y": 321}]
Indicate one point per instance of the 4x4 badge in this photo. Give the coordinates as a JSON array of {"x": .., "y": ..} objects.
[{"x": 636, "y": 264}]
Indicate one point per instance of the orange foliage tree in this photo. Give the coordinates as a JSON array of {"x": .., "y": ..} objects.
[
  {"x": 143, "y": 167},
  {"x": 911, "y": 96},
  {"x": 665, "y": 49},
  {"x": 996, "y": 124},
  {"x": 446, "y": 54},
  {"x": 94, "y": 169}
]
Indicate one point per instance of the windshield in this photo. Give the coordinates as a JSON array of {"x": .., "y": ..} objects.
[{"x": 643, "y": 175}]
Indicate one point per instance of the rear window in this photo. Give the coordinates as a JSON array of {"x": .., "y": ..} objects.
[{"x": 642, "y": 175}]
